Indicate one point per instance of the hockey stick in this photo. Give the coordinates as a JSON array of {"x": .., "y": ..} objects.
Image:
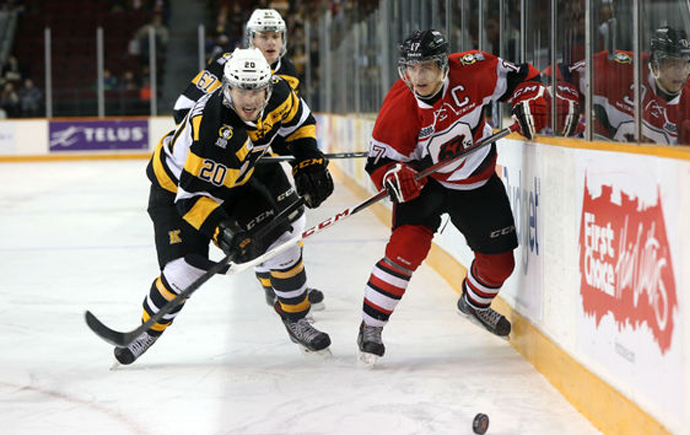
[
  {"x": 273, "y": 159},
  {"x": 123, "y": 339},
  {"x": 238, "y": 268}
]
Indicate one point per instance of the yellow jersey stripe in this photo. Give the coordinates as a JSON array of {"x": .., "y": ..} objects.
[
  {"x": 292, "y": 81},
  {"x": 195, "y": 165},
  {"x": 200, "y": 211},
  {"x": 242, "y": 152},
  {"x": 196, "y": 122},
  {"x": 308, "y": 131},
  {"x": 161, "y": 175}
]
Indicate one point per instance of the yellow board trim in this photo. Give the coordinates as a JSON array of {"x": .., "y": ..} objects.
[
  {"x": 604, "y": 406},
  {"x": 681, "y": 152}
]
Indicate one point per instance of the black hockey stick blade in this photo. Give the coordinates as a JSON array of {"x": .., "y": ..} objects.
[
  {"x": 116, "y": 338},
  {"x": 123, "y": 339}
]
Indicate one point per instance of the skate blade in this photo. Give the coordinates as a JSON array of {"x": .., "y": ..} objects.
[
  {"x": 367, "y": 360},
  {"x": 318, "y": 354},
  {"x": 117, "y": 365},
  {"x": 476, "y": 322}
]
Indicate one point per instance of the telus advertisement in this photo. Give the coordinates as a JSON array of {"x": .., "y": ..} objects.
[{"x": 97, "y": 135}]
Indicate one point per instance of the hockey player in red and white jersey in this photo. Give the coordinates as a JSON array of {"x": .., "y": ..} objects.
[
  {"x": 432, "y": 113},
  {"x": 665, "y": 90}
]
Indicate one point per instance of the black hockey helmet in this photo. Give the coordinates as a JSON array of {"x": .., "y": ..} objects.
[
  {"x": 422, "y": 46},
  {"x": 669, "y": 42}
]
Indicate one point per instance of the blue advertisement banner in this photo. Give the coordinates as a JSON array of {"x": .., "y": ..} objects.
[{"x": 108, "y": 135}]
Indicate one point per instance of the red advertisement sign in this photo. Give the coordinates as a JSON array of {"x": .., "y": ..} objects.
[{"x": 626, "y": 265}]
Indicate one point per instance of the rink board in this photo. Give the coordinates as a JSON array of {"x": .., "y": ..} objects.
[{"x": 596, "y": 299}]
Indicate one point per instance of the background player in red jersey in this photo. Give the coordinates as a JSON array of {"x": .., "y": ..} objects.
[
  {"x": 665, "y": 91},
  {"x": 432, "y": 113}
]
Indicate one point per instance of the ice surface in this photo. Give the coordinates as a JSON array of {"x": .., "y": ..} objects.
[{"x": 76, "y": 236}]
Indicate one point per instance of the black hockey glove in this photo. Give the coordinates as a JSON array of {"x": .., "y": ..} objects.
[
  {"x": 236, "y": 241},
  {"x": 313, "y": 181}
]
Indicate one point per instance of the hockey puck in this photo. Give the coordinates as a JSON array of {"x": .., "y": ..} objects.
[{"x": 480, "y": 423}]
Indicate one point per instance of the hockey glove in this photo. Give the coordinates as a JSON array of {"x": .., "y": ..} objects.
[
  {"x": 401, "y": 183},
  {"x": 236, "y": 241},
  {"x": 313, "y": 181},
  {"x": 567, "y": 108},
  {"x": 530, "y": 108}
]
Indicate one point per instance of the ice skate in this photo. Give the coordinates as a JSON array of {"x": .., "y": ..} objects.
[
  {"x": 309, "y": 339},
  {"x": 127, "y": 355},
  {"x": 370, "y": 344},
  {"x": 491, "y": 320}
]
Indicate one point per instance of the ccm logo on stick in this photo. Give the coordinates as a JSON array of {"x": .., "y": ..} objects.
[{"x": 325, "y": 223}]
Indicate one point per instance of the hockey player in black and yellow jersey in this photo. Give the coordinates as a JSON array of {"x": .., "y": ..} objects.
[
  {"x": 203, "y": 189},
  {"x": 266, "y": 30}
]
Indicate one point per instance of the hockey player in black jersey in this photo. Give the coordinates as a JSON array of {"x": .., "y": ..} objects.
[
  {"x": 266, "y": 30},
  {"x": 203, "y": 189}
]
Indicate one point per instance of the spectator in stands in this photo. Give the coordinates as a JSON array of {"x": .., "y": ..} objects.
[
  {"x": 30, "y": 98},
  {"x": 109, "y": 81},
  {"x": 129, "y": 82},
  {"x": 141, "y": 37},
  {"x": 9, "y": 100},
  {"x": 11, "y": 71}
]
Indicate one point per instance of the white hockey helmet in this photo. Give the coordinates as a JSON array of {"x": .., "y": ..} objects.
[
  {"x": 246, "y": 69},
  {"x": 266, "y": 20}
]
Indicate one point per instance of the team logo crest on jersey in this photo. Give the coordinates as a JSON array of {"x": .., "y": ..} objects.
[
  {"x": 174, "y": 237},
  {"x": 225, "y": 134},
  {"x": 624, "y": 58},
  {"x": 470, "y": 58}
]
